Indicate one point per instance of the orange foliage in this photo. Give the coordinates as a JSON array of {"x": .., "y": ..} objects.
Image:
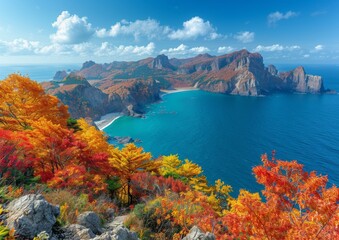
[
  {"x": 129, "y": 161},
  {"x": 23, "y": 101},
  {"x": 79, "y": 180},
  {"x": 298, "y": 205}
]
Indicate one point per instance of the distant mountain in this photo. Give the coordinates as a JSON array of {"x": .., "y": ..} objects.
[{"x": 130, "y": 85}]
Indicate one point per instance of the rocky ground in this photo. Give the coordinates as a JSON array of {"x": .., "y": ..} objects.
[{"x": 31, "y": 216}]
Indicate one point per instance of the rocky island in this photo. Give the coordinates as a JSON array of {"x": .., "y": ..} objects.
[{"x": 98, "y": 89}]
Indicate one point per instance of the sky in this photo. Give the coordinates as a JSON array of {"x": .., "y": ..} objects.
[{"x": 74, "y": 31}]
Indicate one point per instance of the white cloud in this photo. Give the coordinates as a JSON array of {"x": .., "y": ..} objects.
[
  {"x": 181, "y": 49},
  {"x": 107, "y": 50},
  {"x": 149, "y": 28},
  {"x": 193, "y": 28},
  {"x": 225, "y": 49},
  {"x": 184, "y": 50},
  {"x": 318, "y": 48},
  {"x": 19, "y": 46},
  {"x": 199, "y": 50},
  {"x": 306, "y": 55},
  {"x": 71, "y": 29},
  {"x": 245, "y": 37},
  {"x": 52, "y": 49},
  {"x": 273, "y": 18},
  {"x": 275, "y": 48}
]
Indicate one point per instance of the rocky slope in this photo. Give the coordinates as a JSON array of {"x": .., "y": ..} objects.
[
  {"x": 32, "y": 216},
  {"x": 85, "y": 100},
  {"x": 128, "y": 86}
]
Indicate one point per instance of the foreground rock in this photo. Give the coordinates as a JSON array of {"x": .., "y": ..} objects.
[
  {"x": 196, "y": 234},
  {"x": 31, "y": 215},
  {"x": 119, "y": 233},
  {"x": 90, "y": 220},
  {"x": 77, "y": 232}
]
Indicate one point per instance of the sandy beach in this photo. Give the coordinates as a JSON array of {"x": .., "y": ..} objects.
[
  {"x": 176, "y": 90},
  {"x": 108, "y": 119}
]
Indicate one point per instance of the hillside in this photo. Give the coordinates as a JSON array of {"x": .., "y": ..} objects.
[
  {"x": 61, "y": 179},
  {"x": 128, "y": 86}
]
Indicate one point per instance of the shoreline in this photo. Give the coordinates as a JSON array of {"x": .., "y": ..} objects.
[
  {"x": 164, "y": 92},
  {"x": 107, "y": 120}
]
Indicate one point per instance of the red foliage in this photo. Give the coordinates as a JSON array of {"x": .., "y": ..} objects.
[
  {"x": 15, "y": 160},
  {"x": 146, "y": 185}
]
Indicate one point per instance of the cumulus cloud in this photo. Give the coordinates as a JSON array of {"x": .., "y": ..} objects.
[
  {"x": 184, "y": 50},
  {"x": 245, "y": 37},
  {"x": 107, "y": 49},
  {"x": 275, "y": 48},
  {"x": 225, "y": 49},
  {"x": 318, "y": 48},
  {"x": 193, "y": 28},
  {"x": 71, "y": 29},
  {"x": 181, "y": 49},
  {"x": 149, "y": 28},
  {"x": 275, "y": 17},
  {"x": 199, "y": 50},
  {"x": 19, "y": 46}
]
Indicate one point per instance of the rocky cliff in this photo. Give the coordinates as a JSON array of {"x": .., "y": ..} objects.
[
  {"x": 239, "y": 72},
  {"x": 85, "y": 100},
  {"x": 128, "y": 86}
]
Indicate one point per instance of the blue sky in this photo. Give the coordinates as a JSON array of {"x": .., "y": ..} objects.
[{"x": 70, "y": 31}]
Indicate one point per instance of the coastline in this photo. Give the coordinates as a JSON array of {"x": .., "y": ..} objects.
[
  {"x": 164, "y": 92},
  {"x": 107, "y": 120}
]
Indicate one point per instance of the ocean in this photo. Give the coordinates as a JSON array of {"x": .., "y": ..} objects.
[
  {"x": 39, "y": 73},
  {"x": 226, "y": 135}
]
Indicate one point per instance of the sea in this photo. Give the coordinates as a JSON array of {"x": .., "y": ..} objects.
[
  {"x": 37, "y": 72},
  {"x": 227, "y": 135}
]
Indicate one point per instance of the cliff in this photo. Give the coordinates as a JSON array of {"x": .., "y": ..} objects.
[
  {"x": 239, "y": 72},
  {"x": 85, "y": 100},
  {"x": 128, "y": 86}
]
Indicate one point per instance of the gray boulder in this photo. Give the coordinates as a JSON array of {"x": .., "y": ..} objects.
[
  {"x": 90, "y": 220},
  {"x": 119, "y": 233},
  {"x": 77, "y": 232},
  {"x": 196, "y": 234},
  {"x": 30, "y": 215}
]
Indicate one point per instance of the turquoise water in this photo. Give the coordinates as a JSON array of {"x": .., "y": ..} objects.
[
  {"x": 39, "y": 73},
  {"x": 227, "y": 134}
]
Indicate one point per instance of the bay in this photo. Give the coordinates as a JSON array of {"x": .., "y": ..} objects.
[{"x": 226, "y": 135}]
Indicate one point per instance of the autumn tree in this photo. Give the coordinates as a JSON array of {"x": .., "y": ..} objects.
[
  {"x": 23, "y": 101},
  {"x": 54, "y": 147},
  {"x": 298, "y": 205},
  {"x": 129, "y": 161},
  {"x": 15, "y": 158}
]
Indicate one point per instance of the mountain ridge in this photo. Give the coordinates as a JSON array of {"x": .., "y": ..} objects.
[{"x": 131, "y": 85}]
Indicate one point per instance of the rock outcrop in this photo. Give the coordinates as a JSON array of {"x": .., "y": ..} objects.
[
  {"x": 30, "y": 215},
  {"x": 196, "y": 234},
  {"x": 298, "y": 81},
  {"x": 83, "y": 99},
  {"x": 60, "y": 75},
  {"x": 90, "y": 220},
  {"x": 77, "y": 232},
  {"x": 119, "y": 233},
  {"x": 162, "y": 62}
]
